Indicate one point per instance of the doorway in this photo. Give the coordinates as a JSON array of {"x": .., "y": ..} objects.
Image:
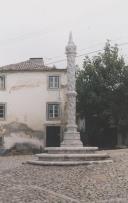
[{"x": 53, "y": 136}]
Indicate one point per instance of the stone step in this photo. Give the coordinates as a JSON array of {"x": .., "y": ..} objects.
[
  {"x": 70, "y": 150},
  {"x": 68, "y": 163},
  {"x": 72, "y": 157}
]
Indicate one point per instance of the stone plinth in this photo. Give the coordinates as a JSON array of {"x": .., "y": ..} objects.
[{"x": 71, "y": 139}]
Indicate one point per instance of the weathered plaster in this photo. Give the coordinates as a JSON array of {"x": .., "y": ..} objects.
[
  {"x": 19, "y": 87},
  {"x": 21, "y": 129},
  {"x": 26, "y": 96}
]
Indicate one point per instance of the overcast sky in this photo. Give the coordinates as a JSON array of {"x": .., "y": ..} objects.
[{"x": 40, "y": 28}]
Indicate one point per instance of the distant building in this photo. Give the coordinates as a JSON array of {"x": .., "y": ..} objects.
[{"x": 34, "y": 95}]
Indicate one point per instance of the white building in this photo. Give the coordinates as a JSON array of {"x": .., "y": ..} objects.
[{"x": 35, "y": 95}]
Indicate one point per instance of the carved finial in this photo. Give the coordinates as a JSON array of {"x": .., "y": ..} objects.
[
  {"x": 70, "y": 38},
  {"x": 70, "y": 48}
]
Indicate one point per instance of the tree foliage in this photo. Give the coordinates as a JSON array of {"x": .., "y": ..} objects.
[{"x": 102, "y": 88}]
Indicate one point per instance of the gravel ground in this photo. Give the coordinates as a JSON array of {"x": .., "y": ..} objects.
[{"x": 101, "y": 183}]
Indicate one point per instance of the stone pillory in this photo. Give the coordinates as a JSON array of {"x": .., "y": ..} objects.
[
  {"x": 71, "y": 151},
  {"x": 71, "y": 136}
]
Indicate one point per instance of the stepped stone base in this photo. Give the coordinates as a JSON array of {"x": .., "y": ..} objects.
[
  {"x": 70, "y": 150},
  {"x": 61, "y": 156},
  {"x": 67, "y": 163}
]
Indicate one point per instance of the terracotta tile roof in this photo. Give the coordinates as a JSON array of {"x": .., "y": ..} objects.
[{"x": 28, "y": 66}]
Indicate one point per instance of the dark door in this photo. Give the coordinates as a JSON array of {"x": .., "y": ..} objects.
[{"x": 53, "y": 136}]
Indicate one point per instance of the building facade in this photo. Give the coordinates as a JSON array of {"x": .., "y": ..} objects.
[{"x": 34, "y": 95}]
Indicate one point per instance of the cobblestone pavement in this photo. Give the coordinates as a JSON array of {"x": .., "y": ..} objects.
[{"x": 102, "y": 183}]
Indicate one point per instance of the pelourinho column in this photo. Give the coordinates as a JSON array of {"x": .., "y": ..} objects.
[{"x": 71, "y": 136}]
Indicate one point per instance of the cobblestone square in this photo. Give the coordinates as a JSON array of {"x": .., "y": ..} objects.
[{"x": 101, "y": 183}]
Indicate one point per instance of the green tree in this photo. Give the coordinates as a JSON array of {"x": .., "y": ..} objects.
[{"x": 102, "y": 87}]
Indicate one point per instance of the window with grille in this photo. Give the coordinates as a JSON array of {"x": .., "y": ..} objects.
[
  {"x": 2, "y": 82},
  {"x": 2, "y": 111},
  {"x": 53, "y": 111},
  {"x": 53, "y": 82}
]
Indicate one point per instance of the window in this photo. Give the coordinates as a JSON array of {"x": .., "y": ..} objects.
[
  {"x": 2, "y": 111},
  {"x": 2, "y": 82},
  {"x": 53, "y": 111},
  {"x": 53, "y": 82}
]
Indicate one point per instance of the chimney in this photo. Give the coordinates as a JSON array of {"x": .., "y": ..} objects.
[{"x": 38, "y": 61}]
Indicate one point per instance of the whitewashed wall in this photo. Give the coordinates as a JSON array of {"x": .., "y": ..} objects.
[{"x": 27, "y": 94}]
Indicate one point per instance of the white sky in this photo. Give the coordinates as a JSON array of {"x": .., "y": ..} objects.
[{"x": 40, "y": 28}]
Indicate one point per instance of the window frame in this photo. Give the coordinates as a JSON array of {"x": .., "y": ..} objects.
[
  {"x": 3, "y": 86},
  {"x": 59, "y": 111},
  {"x": 4, "y": 111},
  {"x": 53, "y": 87}
]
